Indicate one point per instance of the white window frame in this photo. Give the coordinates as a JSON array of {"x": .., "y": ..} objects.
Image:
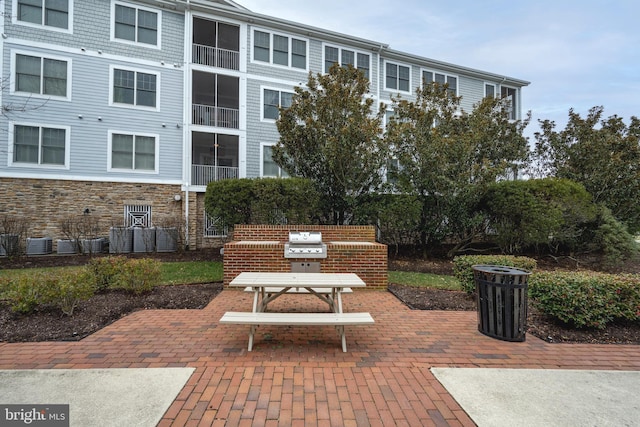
[
  {"x": 132, "y": 170},
  {"x": 495, "y": 89},
  {"x": 11, "y": 140},
  {"x": 12, "y": 83},
  {"x": 340, "y": 49},
  {"x": 398, "y": 64},
  {"x": 290, "y": 52},
  {"x": 16, "y": 21},
  {"x": 275, "y": 89},
  {"x": 112, "y": 18},
  {"x": 280, "y": 171},
  {"x": 446, "y": 76},
  {"x": 514, "y": 113},
  {"x": 112, "y": 103}
]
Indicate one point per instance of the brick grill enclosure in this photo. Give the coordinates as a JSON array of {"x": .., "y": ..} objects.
[{"x": 350, "y": 249}]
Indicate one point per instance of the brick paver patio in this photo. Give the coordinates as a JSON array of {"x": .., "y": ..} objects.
[{"x": 299, "y": 376}]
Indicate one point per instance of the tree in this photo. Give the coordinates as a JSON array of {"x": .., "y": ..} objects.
[
  {"x": 447, "y": 157},
  {"x": 601, "y": 154},
  {"x": 330, "y": 135}
]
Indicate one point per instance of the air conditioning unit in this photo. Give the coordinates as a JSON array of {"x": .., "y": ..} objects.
[
  {"x": 67, "y": 247},
  {"x": 93, "y": 246},
  {"x": 166, "y": 239},
  {"x": 120, "y": 240},
  {"x": 39, "y": 245},
  {"x": 144, "y": 239}
]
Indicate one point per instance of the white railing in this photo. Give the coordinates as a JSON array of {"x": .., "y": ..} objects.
[
  {"x": 216, "y": 57},
  {"x": 210, "y": 115},
  {"x": 204, "y": 174}
]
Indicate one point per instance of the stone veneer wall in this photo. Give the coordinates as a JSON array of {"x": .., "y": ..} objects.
[
  {"x": 44, "y": 203},
  {"x": 350, "y": 249}
]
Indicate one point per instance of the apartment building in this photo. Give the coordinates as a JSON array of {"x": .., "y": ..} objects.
[{"x": 125, "y": 110}]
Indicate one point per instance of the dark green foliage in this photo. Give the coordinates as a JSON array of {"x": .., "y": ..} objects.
[
  {"x": 446, "y": 159},
  {"x": 230, "y": 200},
  {"x": 262, "y": 201},
  {"x": 463, "y": 266},
  {"x": 549, "y": 212},
  {"x": 396, "y": 217},
  {"x": 586, "y": 299},
  {"x": 611, "y": 238},
  {"x": 331, "y": 135},
  {"x": 601, "y": 154}
]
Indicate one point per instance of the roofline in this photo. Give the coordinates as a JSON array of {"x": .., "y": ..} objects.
[
  {"x": 446, "y": 66},
  {"x": 235, "y": 11}
]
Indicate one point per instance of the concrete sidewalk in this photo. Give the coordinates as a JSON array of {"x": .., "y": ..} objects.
[
  {"x": 98, "y": 397},
  {"x": 543, "y": 398}
]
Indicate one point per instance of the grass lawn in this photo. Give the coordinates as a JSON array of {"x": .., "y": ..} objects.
[{"x": 182, "y": 273}]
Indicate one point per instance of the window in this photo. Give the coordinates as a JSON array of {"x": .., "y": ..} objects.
[
  {"x": 40, "y": 145},
  {"x": 272, "y": 100},
  {"x": 133, "y": 152},
  {"x": 49, "y": 13},
  {"x": 489, "y": 89},
  {"x": 136, "y": 25},
  {"x": 134, "y": 88},
  {"x": 510, "y": 94},
  {"x": 344, "y": 57},
  {"x": 41, "y": 76},
  {"x": 397, "y": 77},
  {"x": 442, "y": 79},
  {"x": 279, "y": 50},
  {"x": 269, "y": 167}
]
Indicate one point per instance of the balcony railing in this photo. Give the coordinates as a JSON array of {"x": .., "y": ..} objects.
[
  {"x": 204, "y": 174},
  {"x": 210, "y": 115},
  {"x": 216, "y": 57}
]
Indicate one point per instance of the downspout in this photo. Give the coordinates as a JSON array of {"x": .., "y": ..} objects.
[{"x": 186, "y": 156}]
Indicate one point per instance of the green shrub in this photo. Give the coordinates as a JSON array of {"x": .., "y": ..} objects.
[
  {"x": 463, "y": 271},
  {"x": 138, "y": 275},
  {"x": 69, "y": 288},
  {"x": 586, "y": 299},
  {"x": 106, "y": 270},
  {"x": 26, "y": 292},
  {"x": 547, "y": 212}
]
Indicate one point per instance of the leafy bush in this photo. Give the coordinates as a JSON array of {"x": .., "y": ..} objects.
[
  {"x": 26, "y": 292},
  {"x": 586, "y": 299},
  {"x": 106, "y": 270},
  {"x": 138, "y": 275},
  {"x": 64, "y": 290},
  {"x": 538, "y": 212},
  {"x": 262, "y": 201},
  {"x": 612, "y": 239},
  {"x": 69, "y": 288},
  {"x": 463, "y": 271}
]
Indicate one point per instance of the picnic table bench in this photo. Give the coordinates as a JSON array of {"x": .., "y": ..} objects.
[{"x": 268, "y": 286}]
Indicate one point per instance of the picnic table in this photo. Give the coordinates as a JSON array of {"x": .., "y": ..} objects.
[{"x": 268, "y": 286}]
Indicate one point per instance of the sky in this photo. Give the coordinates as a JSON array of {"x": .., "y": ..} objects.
[{"x": 577, "y": 54}]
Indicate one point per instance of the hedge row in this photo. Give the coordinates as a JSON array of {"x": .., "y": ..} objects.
[
  {"x": 579, "y": 299},
  {"x": 587, "y": 299},
  {"x": 66, "y": 289}
]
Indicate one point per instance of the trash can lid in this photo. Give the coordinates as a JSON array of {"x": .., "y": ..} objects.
[{"x": 501, "y": 269}]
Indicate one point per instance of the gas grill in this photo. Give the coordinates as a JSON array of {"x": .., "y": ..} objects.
[{"x": 305, "y": 244}]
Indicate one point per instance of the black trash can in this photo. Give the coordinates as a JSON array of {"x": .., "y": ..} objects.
[{"x": 501, "y": 293}]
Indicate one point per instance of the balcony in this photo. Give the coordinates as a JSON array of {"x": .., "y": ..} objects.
[
  {"x": 210, "y": 115},
  {"x": 216, "y": 57},
  {"x": 204, "y": 174}
]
